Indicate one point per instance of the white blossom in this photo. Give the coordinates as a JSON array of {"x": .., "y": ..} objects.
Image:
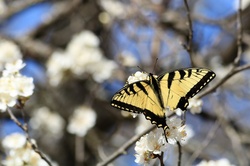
[
  {"x": 138, "y": 76},
  {"x": 50, "y": 123},
  {"x": 19, "y": 152},
  {"x": 127, "y": 59},
  {"x": 85, "y": 39},
  {"x": 86, "y": 60},
  {"x": 3, "y": 7},
  {"x": 220, "y": 162},
  {"x": 14, "y": 86},
  {"x": 81, "y": 56},
  {"x": 103, "y": 70},
  {"x": 114, "y": 8},
  {"x": 149, "y": 146},
  {"x": 13, "y": 68},
  {"x": 14, "y": 141},
  {"x": 195, "y": 105},
  {"x": 9, "y": 53},
  {"x": 83, "y": 119},
  {"x": 176, "y": 131},
  {"x": 189, "y": 134},
  {"x": 57, "y": 66}
]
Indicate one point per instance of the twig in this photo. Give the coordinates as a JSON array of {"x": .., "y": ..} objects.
[
  {"x": 189, "y": 46},
  {"x": 180, "y": 153},
  {"x": 129, "y": 143},
  {"x": 232, "y": 134},
  {"x": 125, "y": 146},
  {"x": 239, "y": 35},
  {"x": 79, "y": 150},
  {"x": 24, "y": 127},
  {"x": 204, "y": 144},
  {"x": 223, "y": 80},
  {"x": 155, "y": 48},
  {"x": 235, "y": 68},
  {"x": 17, "y": 8},
  {"x": 61, "y": 11},
  {"x": 33, "y": 47},
  {"x": 161, "y": 159}
]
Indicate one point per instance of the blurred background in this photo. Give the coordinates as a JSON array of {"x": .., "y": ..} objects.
[{"x": 80, "y": 52}]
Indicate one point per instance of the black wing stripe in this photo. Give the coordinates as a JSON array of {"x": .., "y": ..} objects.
[
  {"x": 199, "y": 85},
  {"x": 123, "y": 106},
  {"x": 189, "y": 72},
  {"x": 126, "y": 91},
  {"x": 170, "y": 79},
  {"x": 182, "y": 73},
  {"x": 183, "y": 103},
  {"x": 131, "y": 88},
  {"x": 139, "y": 85}
]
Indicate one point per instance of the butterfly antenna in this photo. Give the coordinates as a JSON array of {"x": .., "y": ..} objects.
[
  {"x": 140, "y": 68},
  {"x": 156, "y": 60}
]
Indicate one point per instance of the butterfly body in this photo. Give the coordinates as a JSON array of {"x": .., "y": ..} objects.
[{"x": 156, "y": 93}]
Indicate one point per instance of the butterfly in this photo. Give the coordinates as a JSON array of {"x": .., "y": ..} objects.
[{"x": 152, "y": 95}]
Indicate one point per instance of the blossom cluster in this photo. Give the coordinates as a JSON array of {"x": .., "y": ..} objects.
[
  {"x": 49, "y": 123},
  {"x": 81, "y": 56},
  {"x": 9, "y": 53},
  {"x": 149, "y": 147},
  {"x": 112, "y": 9},
  {"x": 14, "y": 87},
  {"x": 220, "y": 162},
  {"x": 19, "y": 152},
  {"x": 81, "y": 121}
]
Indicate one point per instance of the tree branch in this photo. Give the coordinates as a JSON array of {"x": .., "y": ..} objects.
[
  {"x": 180, "y": 153},
  {"x": 234, "y": 71},
  {"x": 239, "y": 35},
  {"x": 125, "y": 146},
  {"x": 189, "y": 46},
  {"x": 24, "y": 127}
]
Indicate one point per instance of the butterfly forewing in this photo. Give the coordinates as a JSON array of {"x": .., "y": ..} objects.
[
  {"x": 132, "y": 97},
  {"x": 180, "y": 85}
]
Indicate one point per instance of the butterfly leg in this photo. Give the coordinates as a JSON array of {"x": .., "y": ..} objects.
[{"x": 164, "y": 132}]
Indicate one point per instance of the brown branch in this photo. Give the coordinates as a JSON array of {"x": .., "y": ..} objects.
[
  {"x": 223, "y": 80},
  {"x": 17, "y": 7},
  {"x": 125, "y": 146},
  {"x": 189, "y": 46},
  {"x": 24, "y": 127},
  {"x": 204, "y": 144},
  {"x": 232, "y": 134},
  {"x": 79, "y": 150},
  {"x": 161, "y": 159},
  {"x": 129, "y": 143},
  {"x": 32, "y": 47},
  {"x": 62, "y": 10},
  {"x": 180, "y": 153},
  {"x": 239, "y": 35}
]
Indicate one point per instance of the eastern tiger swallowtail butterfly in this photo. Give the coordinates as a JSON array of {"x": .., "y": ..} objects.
[{"x": 156, "y": 93}]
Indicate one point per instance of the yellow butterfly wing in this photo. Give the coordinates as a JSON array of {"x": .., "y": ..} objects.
[{"x": 180, "y": 85}]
